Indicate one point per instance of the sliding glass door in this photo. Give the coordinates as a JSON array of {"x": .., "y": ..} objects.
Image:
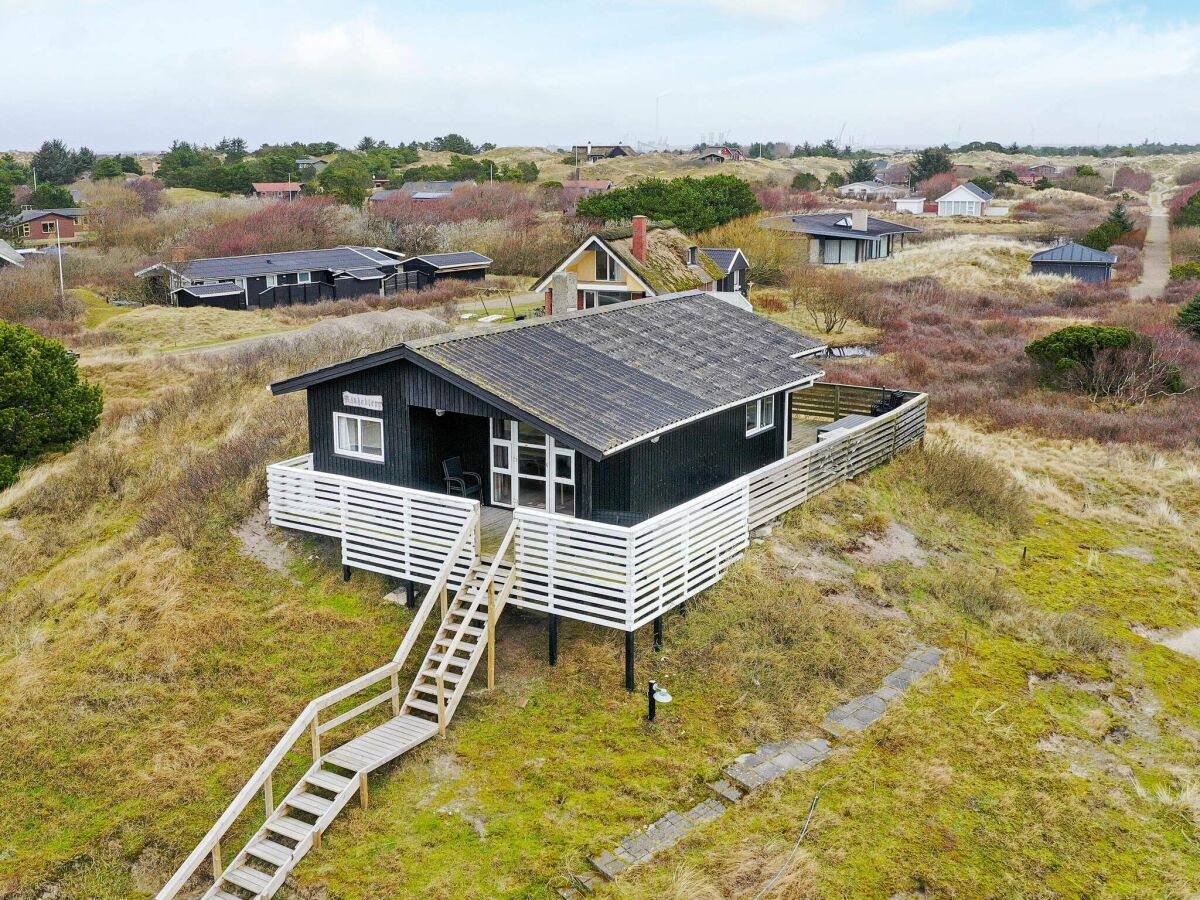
[{"x": 529, "y": 469}]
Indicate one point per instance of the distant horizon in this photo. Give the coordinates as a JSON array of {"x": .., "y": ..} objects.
[{"x": 928, "y": 72}]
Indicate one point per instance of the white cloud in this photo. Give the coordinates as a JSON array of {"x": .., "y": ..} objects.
[
  {"x": 930, "y": 7},
  {"x": 794, "y": 11}
]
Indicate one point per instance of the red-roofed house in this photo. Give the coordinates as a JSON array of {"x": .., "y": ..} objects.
[{"x": 276, "y": 190}]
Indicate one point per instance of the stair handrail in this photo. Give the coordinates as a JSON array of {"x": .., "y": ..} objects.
[
  {"x": 479, "y": 591},
  {"x": 488, "y": 579},
  {"x": 306, "y": 720}
]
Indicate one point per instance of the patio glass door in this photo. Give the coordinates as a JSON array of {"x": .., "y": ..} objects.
[{"x": 528, "y": 469}]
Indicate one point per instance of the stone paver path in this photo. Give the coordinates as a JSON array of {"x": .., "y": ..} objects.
[{"x": 751, "y": 771}]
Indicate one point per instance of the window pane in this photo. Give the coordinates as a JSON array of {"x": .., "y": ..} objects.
[
  {"x": 502, "y": 489},
  {"x": 347, "y": 434},
  {"x": 502, "y": 429},
  {"x": 767, "y": 418},
  {"x": 751, "y": 416},
  {"x": 564, "y": 499},
  {"x": 372, "y": 437},
  {"x": 531, "y": 461},
  {"x": 532, "y": 493},
  {"x": 564, "y": 466},
  {"x": 500, "y": 459},
  {"x": 527, "y": 434}
]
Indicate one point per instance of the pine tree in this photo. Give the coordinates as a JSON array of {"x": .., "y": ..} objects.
[
  {"x": 1120, "y": 218},
  {"x": 1189, "y": 317}
]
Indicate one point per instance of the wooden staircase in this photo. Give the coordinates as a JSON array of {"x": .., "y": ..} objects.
[{"x": 294, "y": 826}]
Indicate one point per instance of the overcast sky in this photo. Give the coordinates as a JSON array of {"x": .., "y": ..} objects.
[{"x": 135, "y": 75}]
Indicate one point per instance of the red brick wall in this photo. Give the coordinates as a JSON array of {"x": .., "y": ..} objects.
[{"x": 65, "y": 226}]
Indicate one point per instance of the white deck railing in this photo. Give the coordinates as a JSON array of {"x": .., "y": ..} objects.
[
  {"x": 397, "y": 531},
  {"x": 620, "y": 577},
  {"x": 625, "y": 577}
]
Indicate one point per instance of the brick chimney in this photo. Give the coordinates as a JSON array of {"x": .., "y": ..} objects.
[
  {"x": 563, "y": 296},
  {"x": 638, "y": 248},
  {"x": 859, "y": 220}
]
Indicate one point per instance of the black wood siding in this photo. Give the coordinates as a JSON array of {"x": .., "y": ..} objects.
[
  {"x": 419, "y": 265},
  {"x": 650, "y": 478},
  {"x": 632, "y": 485}
]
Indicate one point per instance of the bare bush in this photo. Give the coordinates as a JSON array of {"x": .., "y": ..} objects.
[
  {"x": 30, "y": 296},
  {"x": 958, "y": 477}
]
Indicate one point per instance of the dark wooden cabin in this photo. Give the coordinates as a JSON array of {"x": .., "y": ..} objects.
[
  {"x": 1074, "y": 261},
  {"x": 614, "y": 414},
  {"x": 464, "y": 265}
]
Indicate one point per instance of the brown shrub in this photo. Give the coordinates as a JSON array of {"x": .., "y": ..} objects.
[
  {"x": 958, "y": 477},
  {"x": 29, "y": 295}
]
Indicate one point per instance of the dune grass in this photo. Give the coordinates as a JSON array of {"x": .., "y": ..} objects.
[
  {"x": 188, "y": 195},
  {"x": 176, "y": 328}
]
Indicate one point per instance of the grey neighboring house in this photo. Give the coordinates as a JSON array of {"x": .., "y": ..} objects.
[
  {"x": 9, "y": 256},
  {"x": 736, "y": 267},
  {"x": 1074, "y": 261},
  {"x": 844, "y": 237},
  {"x": 316, "y": 166},
  {"x": 421, "y": 190}
]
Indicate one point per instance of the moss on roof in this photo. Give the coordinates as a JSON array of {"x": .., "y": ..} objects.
[{"x": 666, "y": 268}]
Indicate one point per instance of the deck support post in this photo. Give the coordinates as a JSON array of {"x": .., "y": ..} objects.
[
  {"x": 315, "y": 735},
  {"x": 363, "y": 800},
  {"x": 658, "y": 632},
  {"x": 410, "y": 594},
  {"x": 316, "y": 840},
  {"x": 552, "y": 628},
  {"x": 345, "y": 572},
  {"x": 216, "y": 862},
  {"x": 269, "y": 796},
  {"x": 629, "y": 653},
  {"x": 444, "y": 604}
]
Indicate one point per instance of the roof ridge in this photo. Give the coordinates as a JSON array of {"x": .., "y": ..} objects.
[{"x": 488, "y": 330}]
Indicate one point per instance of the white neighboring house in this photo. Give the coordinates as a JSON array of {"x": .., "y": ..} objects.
[
  {"x": 965, "y": 200},
  {"x": 914, "y": 206},
  {"x": 872, "y": 190}
]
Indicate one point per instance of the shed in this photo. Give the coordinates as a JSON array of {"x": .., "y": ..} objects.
[
  {"x": 464, "y": 265},
  {"x": 1074, "y": 261},
  {"x": 967, "y": 199}
]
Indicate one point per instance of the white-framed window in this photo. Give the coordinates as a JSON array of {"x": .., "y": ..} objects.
[
  {"x": 24, "y": 231},
  {"x": 48, "y": 227},
  {"x": 606, "y": 266},
  {"x": 303, "y": 277},
  {"x": 760, "y": 415},
  {"x": 737, "y": 279},
  {"x": 360, "y": 437}
]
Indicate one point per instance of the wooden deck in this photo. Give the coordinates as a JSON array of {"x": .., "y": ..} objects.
[
  {"x": 494, "y": 522},
  {"x": 804, "y": 432}
]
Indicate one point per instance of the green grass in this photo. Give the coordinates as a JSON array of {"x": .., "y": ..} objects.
[
  {"x": 97, "y": 310},
  {"x": 188, "y": 195},
  {"x": 149, "y": 668}
]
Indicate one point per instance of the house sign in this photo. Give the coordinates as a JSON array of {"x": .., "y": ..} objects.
[{"x": 363, "y": 401}]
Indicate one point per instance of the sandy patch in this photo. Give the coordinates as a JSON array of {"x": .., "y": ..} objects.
[
  {"x": 1185, "y": 642},
  {"x": 262, "y": 542},
  {"x": 1085, "y": 759},
  {"x": 894, "y": 545}
]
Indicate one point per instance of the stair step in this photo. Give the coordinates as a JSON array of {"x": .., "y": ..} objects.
[
  {"x": 250, "y": 879},
  {"x": 451, "y": 677},
  {"x": 455, "y": 660},
  {"x": 310, "y": 803},
  {"x": 290, "y": 828},
  {"x": 330, "y": 781},
  {"x": 431, "y": 689},
  {"x": 225, "y": 895},
  {"x": 270, "y": 852},
  {"x": 464, "y": 629},
  {"x": 422, "y": 704}
]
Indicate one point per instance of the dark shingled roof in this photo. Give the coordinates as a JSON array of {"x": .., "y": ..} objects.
[
  {"x": 455, "y": 259},
  {"x": 610, "y": 377},
  {"x": 333, "y": 258},
  {"x": 29, "y": 215},
  {"x": 1074, "y": 253},
  {"x": 826, "y": 225},
  {"x": 722, "y": 256},
  {"x": 211, "y": 290}
]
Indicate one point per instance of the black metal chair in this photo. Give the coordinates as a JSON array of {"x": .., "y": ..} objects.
[{"x": 457, "y": 480}]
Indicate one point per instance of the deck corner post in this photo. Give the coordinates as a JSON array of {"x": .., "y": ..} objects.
[
  {"x": 552, "y": 628},
  {"x": 630, "y": 649},
  {"x": 658, "y": 632},
  {"x": 491, "y": 635},
  {"x": 410, "y": 594},
  {"x": 216, "y": 862},
  {"x": 363, "y": 799},
  {"x": 345, "y": 572}
]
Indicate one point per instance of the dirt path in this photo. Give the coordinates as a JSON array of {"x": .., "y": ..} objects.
[{"x": 1156, "y": 255}]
